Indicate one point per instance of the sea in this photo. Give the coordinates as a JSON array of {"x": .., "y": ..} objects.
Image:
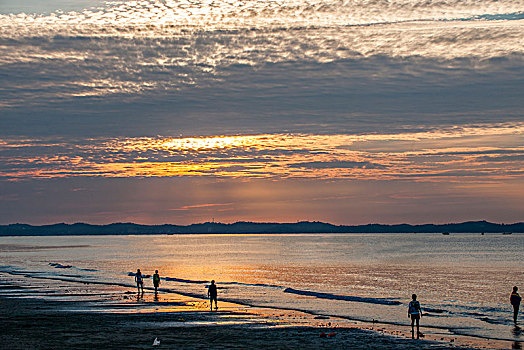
[{"x": 463, "y": 281}]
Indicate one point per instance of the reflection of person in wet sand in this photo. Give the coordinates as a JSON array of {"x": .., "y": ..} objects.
[
  {"x": 156, "y": 281},
  {"x": 139, "y": 281},
  {"x": 515, "y": 302},
  {"x": 517, "y": 332},
  {"x": 212, "y": 294},
  {"x": 415, "y": 313}
]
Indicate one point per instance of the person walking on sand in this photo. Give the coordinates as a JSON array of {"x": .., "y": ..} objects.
[
  {"x": 515, "y": 302},
  {"x": 212, "y": 294},
  {"x": 415, "y": 313},
  {"x": 139, "y": 281},
  {"x": 156, "y": 281}
]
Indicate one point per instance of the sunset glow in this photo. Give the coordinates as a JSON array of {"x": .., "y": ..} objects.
[{"x": 477, "y": 154}]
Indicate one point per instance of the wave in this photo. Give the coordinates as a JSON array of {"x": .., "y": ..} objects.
[
  {"x": 132, "y": 274},
  {"x": 477, "y": 311},
  {"x": 254, "y": 284},
  {"x": 435, "y": 311},
  {"x": 483, "y": 313},
  {"x": 174, "y": 279},
  {"x": 70, "y": 275},
  {"x": 320, "y": 295},
  {"x": 493, "y": 320},
  {"x": 480, "y": 313},
  {"x": 515, "y": 16},
  {"x": 184, "y": 280},
  {"x": 60, "y": 266},
  {"x": 170, "y": 279},
  {"x": 381, "y": 301}
]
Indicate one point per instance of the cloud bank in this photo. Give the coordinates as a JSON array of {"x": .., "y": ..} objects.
[{"x": 479, "y": 154}]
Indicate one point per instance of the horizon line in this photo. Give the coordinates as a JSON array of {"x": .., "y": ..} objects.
[{"x": 266, "y": 222}]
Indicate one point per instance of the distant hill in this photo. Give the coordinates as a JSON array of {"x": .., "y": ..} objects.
[{"x": 251, "y": 227}]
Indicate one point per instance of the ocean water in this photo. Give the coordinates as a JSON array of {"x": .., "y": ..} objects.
[{"x": 463, "y": 280}]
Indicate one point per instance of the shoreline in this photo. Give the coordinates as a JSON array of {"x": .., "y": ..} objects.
[
  {"x": 448, "y": 332},
  {"x": 112, "y": 307}
]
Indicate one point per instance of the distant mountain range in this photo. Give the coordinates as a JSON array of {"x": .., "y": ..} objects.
[{"x": 252, "y": 227}]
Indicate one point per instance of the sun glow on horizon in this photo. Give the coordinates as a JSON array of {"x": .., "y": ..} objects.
[{"x": 474, "y": 153}]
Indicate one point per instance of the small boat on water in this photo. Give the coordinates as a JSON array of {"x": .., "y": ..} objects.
[
  {"x": 507, "y": 233},
  {"x": 445, "y": 233}
]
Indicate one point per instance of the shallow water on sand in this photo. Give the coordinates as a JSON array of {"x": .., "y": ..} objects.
[{"x": 463, "y": 280}]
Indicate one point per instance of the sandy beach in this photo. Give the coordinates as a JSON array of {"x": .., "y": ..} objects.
[{"x": 45, "y": 314}]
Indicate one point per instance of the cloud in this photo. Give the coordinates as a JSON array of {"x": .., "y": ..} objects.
[
  {"x": 503, "y": 158},
  {"x": 338, "y": 164},
  {"x": 483, "y": 152},
  {"x": 145, "y": 48},
  {"x": 201, "y": 206}
]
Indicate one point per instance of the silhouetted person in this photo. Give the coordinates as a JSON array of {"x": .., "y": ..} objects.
[
  {"x": 212, "y": 294},
  {"x": 139, "y": 281},
  {"x": 515, "y": 302},
  {"x": 415, "y": 313},
  {"x": 156, "y": 281}
]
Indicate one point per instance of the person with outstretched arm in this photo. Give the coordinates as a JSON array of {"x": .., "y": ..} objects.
[
  {"x": 415, "y": 313},
  {"x": 212, "y": 294},
  {"x": 515, "y": 302}
]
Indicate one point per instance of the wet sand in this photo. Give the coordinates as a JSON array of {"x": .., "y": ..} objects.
[
  {"x": 37, "y": 324},
  {"x": 43, "y": 314}
]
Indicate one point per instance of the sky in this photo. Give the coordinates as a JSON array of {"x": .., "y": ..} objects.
[{"x": 342, "y": 111}]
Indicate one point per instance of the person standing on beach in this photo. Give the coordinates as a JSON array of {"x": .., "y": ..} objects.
[
  {"x": 156, "y": 281},
  {"x": 139, "y": 281},
  {"x": 212, "y": 294},
  {"x": 515, "y": 302},
  {"x": 415, "y": 313}
]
